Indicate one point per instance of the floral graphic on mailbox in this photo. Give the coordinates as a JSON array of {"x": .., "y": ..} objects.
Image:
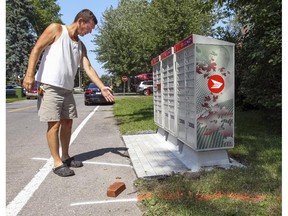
[{"x": 215, "y": 96}]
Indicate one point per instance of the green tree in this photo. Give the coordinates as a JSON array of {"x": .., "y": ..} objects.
[
  {"x": 107, "y": 80},
  {"x": 173, "y": 20},
  {"x": 44, "y": 13},
  {"x": 258, "y": 36},
  {"x": 20, "y": 36},
  {"x": 261, "y": 51},
  {"x": 118, "y": 41},
  {"x": 25, "y": 21},
  {"x": 132, "y": 34}
]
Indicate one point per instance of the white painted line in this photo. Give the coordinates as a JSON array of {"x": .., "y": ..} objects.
[
  {"x": 104, "y": 202},
  {"x": 79, "y": 128},
  {"x": 36, "y": 158},
  {"x": 15, "y": 206},
  {"x": 109, "y": 164},
  {"x": 22, "y": 198}
]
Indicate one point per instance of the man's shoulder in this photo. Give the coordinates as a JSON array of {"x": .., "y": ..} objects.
[
  {"x": 51, "y": 33},
  {"x": 54, "y": 29},
  {"x": 55, "y": 26}
]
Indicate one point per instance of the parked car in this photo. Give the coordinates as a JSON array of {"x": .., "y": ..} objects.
[
  {"x": 33, "y": 93},
  {"x": 93, "y": 95},
  {"x": 78, "y": 90},
  {"x": 144, "y": 86},
  {"x": 11, "y": 90}
]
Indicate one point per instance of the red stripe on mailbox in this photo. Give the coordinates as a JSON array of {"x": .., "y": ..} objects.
[
  {"x": 184, "y": 43},
  {"x": 155, "y": 60},
  {"x": 166, "y": 54}
]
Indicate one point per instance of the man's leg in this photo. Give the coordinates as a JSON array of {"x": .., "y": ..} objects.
[
  {"x": 53, "y": 142},
  {"x": 65, "y": 136}
]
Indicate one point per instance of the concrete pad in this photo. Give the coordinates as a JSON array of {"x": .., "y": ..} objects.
[{"x": 150, "y": 157}]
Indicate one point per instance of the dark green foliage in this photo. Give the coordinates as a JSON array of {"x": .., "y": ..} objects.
[
  {"x": 174, "y": 20},
  {"x": 25, "y": 21},
  {"x": 45, "y": 12},
  {"x": 257, "y": 32},
  {"x": 19, "y": 36},
  {"x": 261, "y": 52}
]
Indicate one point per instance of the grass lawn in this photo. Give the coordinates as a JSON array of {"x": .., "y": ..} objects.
[
  {"x": 13, "y": 99},
  {"x": 254, "y": 190},
  {"x": 135, "y": 114}
]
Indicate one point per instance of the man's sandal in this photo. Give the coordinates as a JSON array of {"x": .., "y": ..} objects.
[
  {"x": 71, "y": 162},
  {"x": 63, "y": 171}
]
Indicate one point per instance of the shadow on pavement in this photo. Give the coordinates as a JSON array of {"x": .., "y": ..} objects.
[{"x": 96, "y": 153}]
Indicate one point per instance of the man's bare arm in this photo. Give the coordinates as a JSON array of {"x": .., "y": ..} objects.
[
  {"x": 92, "y": 74},
  {"x": 50, "y": 34}
]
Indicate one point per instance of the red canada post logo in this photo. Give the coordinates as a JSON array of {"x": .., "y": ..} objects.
[{"x": 216, "y": 84}]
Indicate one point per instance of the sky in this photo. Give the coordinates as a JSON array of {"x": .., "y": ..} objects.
[{"x": 69, "y": 9}]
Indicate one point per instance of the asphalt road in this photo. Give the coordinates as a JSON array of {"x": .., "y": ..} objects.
[{"x": 33, "y": 189}]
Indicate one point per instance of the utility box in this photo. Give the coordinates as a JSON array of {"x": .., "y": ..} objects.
[{"x": 194, "y": 92}]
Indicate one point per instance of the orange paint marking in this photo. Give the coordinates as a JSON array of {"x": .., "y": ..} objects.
[{"x": 201, "y": 197}]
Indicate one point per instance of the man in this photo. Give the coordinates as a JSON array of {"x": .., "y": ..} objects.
[{"x": 64, "y": 52}]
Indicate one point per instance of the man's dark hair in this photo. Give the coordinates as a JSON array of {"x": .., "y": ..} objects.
[{"x": 86, "y": 15}]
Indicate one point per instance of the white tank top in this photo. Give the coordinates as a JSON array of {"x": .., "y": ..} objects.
[{"x": 60, "y": 61}]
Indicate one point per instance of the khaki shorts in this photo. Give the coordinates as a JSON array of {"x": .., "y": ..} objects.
[{"x": 55, "y": 103}]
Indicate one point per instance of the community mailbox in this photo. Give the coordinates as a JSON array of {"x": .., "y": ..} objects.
[{"x": 194, "y": 93}]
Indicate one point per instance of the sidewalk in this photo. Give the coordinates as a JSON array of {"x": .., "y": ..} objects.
[{"x": 150, "y": 157}]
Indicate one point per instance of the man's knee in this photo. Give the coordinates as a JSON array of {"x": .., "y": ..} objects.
[{"x": 53, "y": 127}]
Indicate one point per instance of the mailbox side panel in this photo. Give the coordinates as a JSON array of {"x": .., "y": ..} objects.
[
  {"x": 157, "y": 94},
  {"x": 214, "y": 88}
]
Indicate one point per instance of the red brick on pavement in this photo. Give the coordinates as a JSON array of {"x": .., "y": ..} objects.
[{"x": 115, "y": 189}]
